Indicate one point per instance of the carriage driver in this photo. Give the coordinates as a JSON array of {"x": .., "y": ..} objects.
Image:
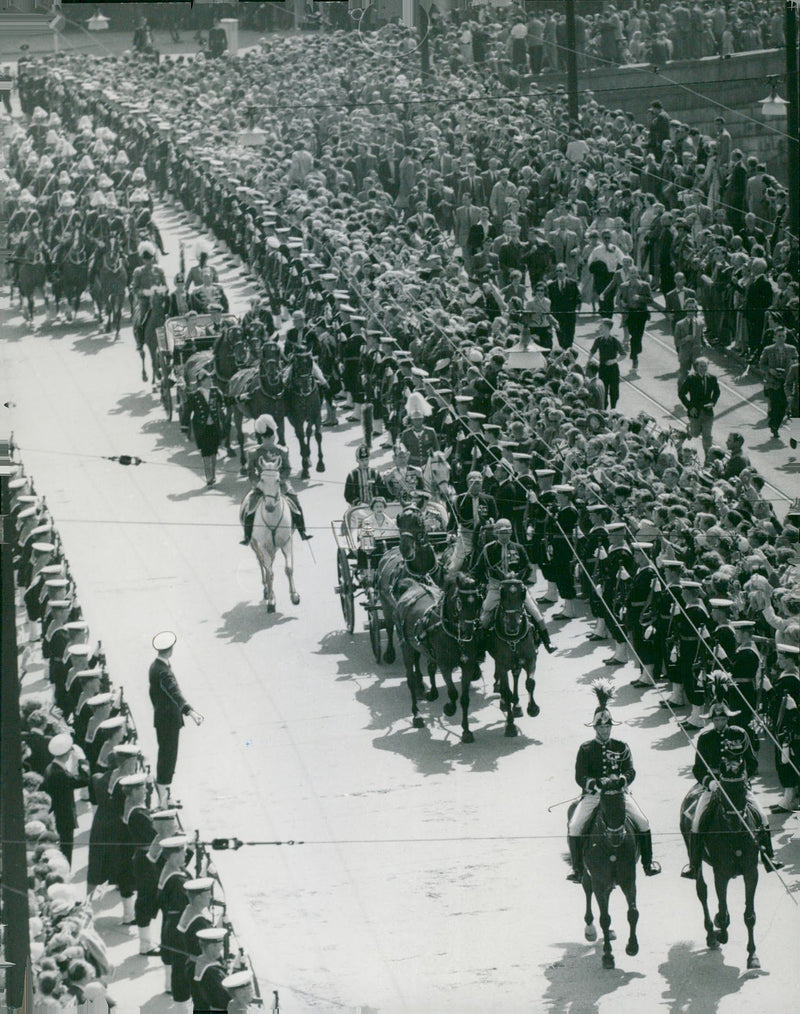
[
  {"x": 603, "y": 757},
  {"x": 270, "y": 453},
  {"x": 504, "y": 559},
  {"x": 720, "y": 748}
]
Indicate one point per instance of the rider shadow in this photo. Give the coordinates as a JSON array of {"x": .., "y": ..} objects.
[
  {"x": 593, "y": 674},
  {"x": 246, "y": 619},
  {"x": 138, "y": 404},
  {"x": 671, "y": 742},
  {"x": 577, "y": 984},
  {"x": 92, "y": 344},
  {"x": 698, "y": 979}
]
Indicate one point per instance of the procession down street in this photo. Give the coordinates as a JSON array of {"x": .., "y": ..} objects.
[{"x": 386, "y": 868}]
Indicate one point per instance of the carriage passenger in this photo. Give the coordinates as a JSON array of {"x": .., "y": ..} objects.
[
  {"x": 377, "y": 523},
  {"x": 363, "y": 482},
  {"x": 598, "y": 758},
  {"x": 270, "y": 453},
  {"x": 402, "y": 481}
]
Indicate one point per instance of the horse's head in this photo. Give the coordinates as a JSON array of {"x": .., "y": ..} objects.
[
  {"x": 511, "y": 610},
  {"x": 437, "y": 472},
  {"x": 612, "y": 803},
  {"x": 269, "y": 483},
  {"x": 302, "y": 378},
  {"x": 412, "y": 522},
  {"x": 269, "y": 365},
  {"x": 463, "y": 603}
]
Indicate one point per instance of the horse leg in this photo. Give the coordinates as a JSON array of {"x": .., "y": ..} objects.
[
  {"x": 433, "y": 693},
  {"x": 750, "y": 884},
  {"x": 632, "y": 946},
  {"x": 266, "y": 574},
  {"x": 466, "y": 733},
  {"x": 517, "y": 710},
  {"x": 506, "y": 702},
  {"x": 530, "y": 685},
  {"x": 288, "y": 555},
  {"x": 452, "y": 694},
  {"x": 238, "y": 420},
  {"x": 389, "y": 654},
  {"x": 411, "y": 659},
  {"x": 589, "y": 930},
  {"x": 318, "y": 438},
  {"x": 722, "y": 920},
  {"x": 702, "y": 894},
  {"x": 605, "y": 925}
]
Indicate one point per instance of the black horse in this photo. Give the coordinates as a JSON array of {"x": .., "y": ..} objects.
[
  {"x": 303, "y": 400},
  {"x": 512, "y": 642},
  {"x": 258, "y": 390},
  {"x": 444, "y": 627},
  {"x": 232, "y": 353},
  {"x": 610, "y": 853},
  {"x": 730, "y": 836},
  {"x": 70, "y": 272}
]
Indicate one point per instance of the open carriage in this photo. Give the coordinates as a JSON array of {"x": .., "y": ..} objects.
[
  {"x": 358, "y": 553},
  {"x": 184, "y": 353}
]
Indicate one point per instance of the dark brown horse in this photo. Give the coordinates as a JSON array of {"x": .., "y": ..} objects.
[
  {"x": 303, "y": 401},
  {"x": 730, "y": 837},
  {"x": 109, "y": 284},
  {"x": 512, "y": 643},
  {"x": 70, "y": 272},
  {"x": 258, "y": 390},
  {"x": 609, "y": 859},
  {"x": 32, "y": 265}
]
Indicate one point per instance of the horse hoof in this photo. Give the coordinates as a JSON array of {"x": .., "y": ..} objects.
[
  {"x": 449, "y": 709},
  {"x": 389, "y": 656},
  {"x": 320, "y": 466},
  {"x": 632, "y": 949},
  {"x": 608, "y": 961},
  {"x": 295, "y": 599},
  {"x": 305, "y": 474},
  {"x": 590, "y": 933},
  {"x": 496, "y": 687},
  {"x": 270, "y": 607},
  {"x": 418, "y": 722},
  {"x": 722, "y": 936},
  {"x": 517, "y": 711},
  {"x": 432, "y": 694},
  {"x": 533, "y": 709},
  {"x": 753, "y": 962},
  {"x": 243, "y": 470},
  {"x": 712, "y": 943},
  {"x": 511, "y": 731},
  {"x": 467, "y": 737}
]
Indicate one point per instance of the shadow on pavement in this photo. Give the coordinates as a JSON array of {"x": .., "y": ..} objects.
[
  {"x": 577, "y": 982},
  {"x": 135, "y": 404},
  {"x": 246, "y": 619},
  {"x": 699, "y": 980}
]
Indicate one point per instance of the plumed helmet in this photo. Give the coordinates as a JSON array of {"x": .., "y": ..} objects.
[
  {"x": 417, "y": 406},
  {"x": 604, "y": 691},
  {"x": 138, "y": 175},
  {"x": 263, "y": 423},
  {"x": 720, "y": 682},
  {"x": 121, "y": 159},
  {"x": 146, "y": 249}
]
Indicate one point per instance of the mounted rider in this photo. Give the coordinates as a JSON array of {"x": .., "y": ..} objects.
[
  {"x": 270, "y": 453},
  {"x": 473, "y": 510},
  {"x": 598, "y": 758},
  {"x": 501, "y": 559},
  {"x": 203, "y": 277},
  {"x": 148, "y": 281},
  {"x": 724, "y": 751},
  {"x": 293, "y": 369},
  {"x": 421, "y": 440}
]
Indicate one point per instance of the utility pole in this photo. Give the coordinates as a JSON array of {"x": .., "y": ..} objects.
[
  {"x": 572, "y": 63},
  {"x": 793, "y": 118},
  {"x": 14, "y": 871}
]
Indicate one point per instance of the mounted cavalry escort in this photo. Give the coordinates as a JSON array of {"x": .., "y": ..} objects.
[{"x": 607, "y": 831}]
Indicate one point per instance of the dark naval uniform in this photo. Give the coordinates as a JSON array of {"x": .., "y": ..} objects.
[
  {"x": 208, "y": 993},
  {"x": 420, "y": 443},
  {"x": 169, "y": 707}
]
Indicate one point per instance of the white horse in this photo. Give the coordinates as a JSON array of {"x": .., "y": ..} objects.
[
  {"x": 436, "y": 477},
  {"x": 272, "y": 531}
]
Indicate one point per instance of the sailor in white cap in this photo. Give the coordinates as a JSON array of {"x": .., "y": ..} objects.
[
  {"x": 68, "y": 770},
  {"x": 138, "y": 822},
  {"x": 169, "y": 709},
  {"x": 208, "y": 993},
  {"x": 784, "y": 710},
  {"x": 172, "y": 899},
  {"x": 195, "y": 916},
  {"x": 241, "y": 988},
  {"x": 148, "y": 863}
]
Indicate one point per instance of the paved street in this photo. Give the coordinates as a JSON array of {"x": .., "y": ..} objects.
[{"x": 427, "y": 875}]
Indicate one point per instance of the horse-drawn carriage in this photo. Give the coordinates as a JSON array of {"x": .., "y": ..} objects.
[
  {"x": 358, "y": 553},
  {"x": 183, "y": 353}
]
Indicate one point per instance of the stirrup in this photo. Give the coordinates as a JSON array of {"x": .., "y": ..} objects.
[
  {"x": 689, "y": 873},
  {"x": 575, "y": 878},
  {"x": 652, "y": 869},
  {"x": 770, "y": 863}
]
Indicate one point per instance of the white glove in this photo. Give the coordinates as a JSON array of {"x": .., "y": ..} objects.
[{"x": 713, "y": 785}]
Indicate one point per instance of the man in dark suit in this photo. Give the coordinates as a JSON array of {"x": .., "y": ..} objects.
[
  {"x": 477, "y": 238},
  {"x": 68, "y": 770},
  {"x": 565, "y": 299},
  {"x": 659, "y": 129},
  {"x": 699, "y": 393},
  {"x": 676, "y": 298},
  {"x": 735, "y": 193},
  {"x": 473, "y": 183},
  {"x": 169, "y": 708}
]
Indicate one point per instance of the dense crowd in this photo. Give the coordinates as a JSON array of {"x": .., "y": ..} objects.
[
  {"x": 429, "y": 237},
  {"x": 80, "y": 743}
]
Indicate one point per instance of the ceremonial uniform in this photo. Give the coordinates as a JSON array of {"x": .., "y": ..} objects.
[
  {"x": 361, "y": 485},
  {"x": 148, "y": 282},
  {"x": 472, "y": 513},
  {"x": 402, "y": 484},
  {"x": 169, "y": 708},
  {"x": 421, "y": 443},
  {"x": 208, "y": 993},
  {"x": 496, "y": 563}
]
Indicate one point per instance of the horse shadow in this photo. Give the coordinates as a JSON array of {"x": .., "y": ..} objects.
[
  {"x": 93, "y": 343},
  {"x": 577, "y": 984},
  {"x": 139, "y": 403},
  {"x": 698, "y": 980},
  {"x": 246, "y": 619}
]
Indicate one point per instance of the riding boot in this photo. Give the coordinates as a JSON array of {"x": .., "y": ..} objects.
[
  {"x": 651, "y": 868},
  {"x": 544, "y": 637},
  {"x": 300, "y": 524},
  {"x": 575, "y": 843},
  {"x": 695, "y": 857},
  {"x": 768, "y": 859},
  {"x": 249, "y": 519}
]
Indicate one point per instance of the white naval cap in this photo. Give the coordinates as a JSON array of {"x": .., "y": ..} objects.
[{"x": 164, "y": 640}]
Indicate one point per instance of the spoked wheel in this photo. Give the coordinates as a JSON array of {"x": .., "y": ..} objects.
[
  {"x": 346, "y": 589},
  {"x": 376, "y": 623}
]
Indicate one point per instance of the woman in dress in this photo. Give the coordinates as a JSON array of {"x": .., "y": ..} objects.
[
  {"x": 206, "y": 414},
  {"x": 539, "y": 318}
]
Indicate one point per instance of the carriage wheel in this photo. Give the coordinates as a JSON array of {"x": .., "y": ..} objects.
[
  {"x": 376, "y": 623},
  {"x": 166, "y": 396},
  {"x": 346, "y": 590}
]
